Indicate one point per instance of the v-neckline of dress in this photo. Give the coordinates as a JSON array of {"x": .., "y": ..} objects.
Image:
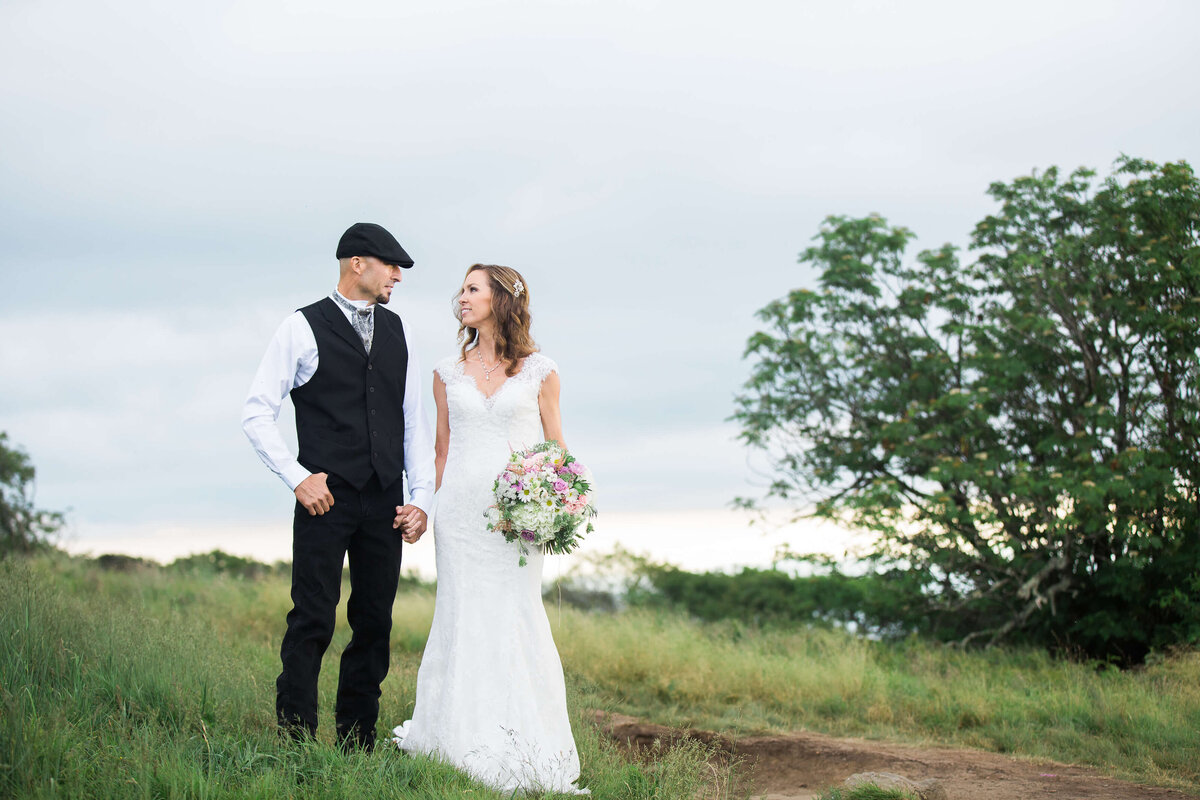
[{"x": 489, "y": 400}]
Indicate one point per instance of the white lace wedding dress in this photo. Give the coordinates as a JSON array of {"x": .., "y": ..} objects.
[{"x": 490, "y": 693}]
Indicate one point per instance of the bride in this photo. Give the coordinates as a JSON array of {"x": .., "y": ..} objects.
[{"x": 490, "y": 693}]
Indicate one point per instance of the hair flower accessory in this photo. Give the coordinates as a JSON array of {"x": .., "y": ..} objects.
[{"x": 518, "y": 287}]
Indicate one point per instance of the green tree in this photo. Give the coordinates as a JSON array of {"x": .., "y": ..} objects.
[
  {"x": 1023, "y": 430},
  {"x": 23, "y": 527}
]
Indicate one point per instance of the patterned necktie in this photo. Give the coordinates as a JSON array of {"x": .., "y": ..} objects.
[{"x": 363, "y": 319}]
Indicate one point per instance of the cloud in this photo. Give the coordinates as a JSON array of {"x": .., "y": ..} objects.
[{"x": 176, "y": 178}]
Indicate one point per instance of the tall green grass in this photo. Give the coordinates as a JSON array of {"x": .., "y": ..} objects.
[
  {"x": 1142, "y": 725},
  {"x": 150, "y": 684},
  {"x": 155, "y": 683}
]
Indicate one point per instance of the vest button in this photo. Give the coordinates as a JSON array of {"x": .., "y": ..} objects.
[
  {"x": 371, "y": 389},
  {"x": 374, "y": 433},
  {"x": 370, "y": 366},
  {"x": 372, "y": 412}
]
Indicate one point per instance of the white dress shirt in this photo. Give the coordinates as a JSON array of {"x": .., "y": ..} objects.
[{"x": 289, "y": 363}]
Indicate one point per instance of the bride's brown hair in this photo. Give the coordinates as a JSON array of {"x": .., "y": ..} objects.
[{"x": 510, "y": 309}]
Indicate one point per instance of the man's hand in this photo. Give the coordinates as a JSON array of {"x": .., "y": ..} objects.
[
  {"x": 314, "y": 495},
  {"x": 411, "y": 521}
]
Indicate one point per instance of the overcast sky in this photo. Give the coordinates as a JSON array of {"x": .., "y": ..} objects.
[{"x": 175, "y": 179}]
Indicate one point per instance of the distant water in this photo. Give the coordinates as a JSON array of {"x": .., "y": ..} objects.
[{"x": 694, "y": 540}]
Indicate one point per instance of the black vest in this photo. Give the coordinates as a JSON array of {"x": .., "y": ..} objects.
[{"x": 350, "y": 414}]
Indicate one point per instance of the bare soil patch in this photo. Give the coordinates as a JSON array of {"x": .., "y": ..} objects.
[{"x": 798, "y": 766}]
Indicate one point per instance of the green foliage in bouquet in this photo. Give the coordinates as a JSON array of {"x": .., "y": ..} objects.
[{"x": 1023, "y": 429}]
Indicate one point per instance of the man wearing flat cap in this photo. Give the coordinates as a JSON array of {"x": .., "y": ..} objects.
[{"x": 356, "y": 388}]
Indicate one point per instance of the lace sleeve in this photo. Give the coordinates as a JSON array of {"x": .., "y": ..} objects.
[
  {"x": 447, "y": 369},
  {"x": 539, "y": 367}
]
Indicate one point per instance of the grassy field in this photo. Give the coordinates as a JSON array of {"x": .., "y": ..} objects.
[
  {"x": 153, "y": 683},
  {"x": 1141, "y": 725}
]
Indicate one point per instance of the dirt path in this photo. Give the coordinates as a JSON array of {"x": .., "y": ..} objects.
[{"x": 796, "y": 766}]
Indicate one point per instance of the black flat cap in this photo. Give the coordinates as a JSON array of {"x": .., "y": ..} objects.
[{"x": 369, "y": 239}]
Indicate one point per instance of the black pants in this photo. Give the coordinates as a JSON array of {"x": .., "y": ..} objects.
[{"x": 360, "y": 524}]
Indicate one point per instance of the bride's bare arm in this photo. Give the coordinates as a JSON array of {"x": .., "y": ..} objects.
[
  {"x": 441, "y": 442},
  {"x": 548, "y": 405}
]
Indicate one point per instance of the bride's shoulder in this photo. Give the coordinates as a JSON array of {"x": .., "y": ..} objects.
[
  {"x": 448, "y": 367},
  {"x": 538, "y": 366}
]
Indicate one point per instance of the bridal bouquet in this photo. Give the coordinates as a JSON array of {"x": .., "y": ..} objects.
[{"x": 543, "y": 498}]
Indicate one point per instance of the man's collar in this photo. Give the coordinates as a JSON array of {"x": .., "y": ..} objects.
[{"x": 357, "y": 305}]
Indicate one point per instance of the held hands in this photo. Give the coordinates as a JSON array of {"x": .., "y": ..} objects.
[
  {"x": 411, "y": 521},
  {"x": 314, "y": 495}
]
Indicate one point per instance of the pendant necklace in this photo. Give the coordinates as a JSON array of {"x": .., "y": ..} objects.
[{"x": 487, "y": 373}]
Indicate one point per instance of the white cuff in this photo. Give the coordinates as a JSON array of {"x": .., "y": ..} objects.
[
  {"x": 293, "y": 474},
  {"x": 422, "y": 499}
]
